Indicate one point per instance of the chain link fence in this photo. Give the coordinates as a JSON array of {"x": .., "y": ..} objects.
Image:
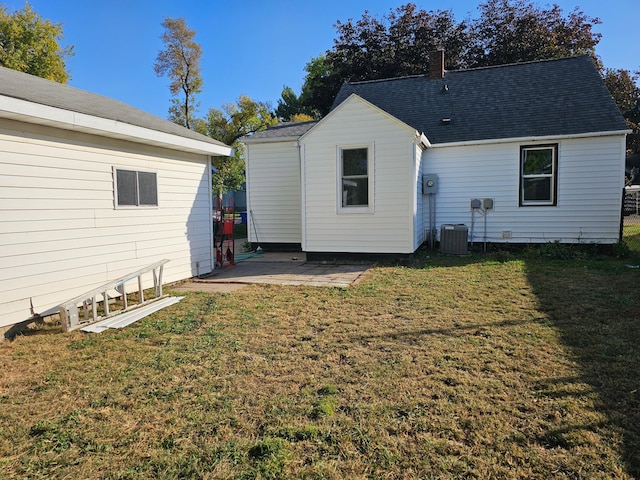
[{"x": 631, "y": 216}]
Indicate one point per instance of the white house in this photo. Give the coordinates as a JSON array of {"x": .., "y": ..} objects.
[
  {"x": 92, "y": 189},
  {"x": 523, "y": 153}
]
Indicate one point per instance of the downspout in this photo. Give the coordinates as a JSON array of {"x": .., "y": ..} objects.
[
  {"x": 417, "y": 181},
  {"x": 423, "y": 143},
  {"x": 211, "y": 239},
  {"x": 248, "y": 191},
  {"x": 623, "y": 147},
  {"x": 303, "y": 196}
]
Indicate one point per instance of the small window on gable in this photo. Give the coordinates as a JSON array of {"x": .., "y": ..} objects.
[
  {"x": 136, "y": 189},
  {"x": 355, "y": 177},
  {"x": 538, "y": 175}
]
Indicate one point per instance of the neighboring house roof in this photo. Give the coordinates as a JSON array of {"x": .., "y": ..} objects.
[
  {"x": 535, "y": 99},
  {"x": 280, "y": 132},
  {"x": 132, "y": 123}
]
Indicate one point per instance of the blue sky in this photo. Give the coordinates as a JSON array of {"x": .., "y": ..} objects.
[{"x": 252, "y": 47}]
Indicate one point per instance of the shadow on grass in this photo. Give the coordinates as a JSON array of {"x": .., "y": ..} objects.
[
  {"x": 597, "y": 312},
  {"x": 414, "y": 336},
  {"x": 39, "y": 326}
]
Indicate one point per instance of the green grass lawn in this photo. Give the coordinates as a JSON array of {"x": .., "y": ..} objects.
[
  {"x": 631, "y": 236},
  {"x": 501, "y": 366}
]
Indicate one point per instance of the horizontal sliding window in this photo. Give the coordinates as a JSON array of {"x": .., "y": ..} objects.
[{"x": 135, "y": 188}]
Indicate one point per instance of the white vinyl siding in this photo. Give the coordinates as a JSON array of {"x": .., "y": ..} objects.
[
  {"x": 421, "y": 202},
  {"x": 273, "y": 192},
  {"x": 387, "y": 228},
  {"x": 59, "y": 232},
  {"x": 589, "y": 189}
]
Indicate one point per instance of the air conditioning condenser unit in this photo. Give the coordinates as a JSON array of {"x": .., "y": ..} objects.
[{"x": 453, "y": 239}]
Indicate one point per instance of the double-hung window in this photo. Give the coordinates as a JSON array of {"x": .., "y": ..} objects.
[
  {"x": 354, "y": 178},
  {"x": 135, "y": 188},
  {"x": 538, "y": 175}
]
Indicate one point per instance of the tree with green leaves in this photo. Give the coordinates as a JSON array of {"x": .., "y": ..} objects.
[
  {"x": 292, "y": 107},
  {"x": 512, "y": 31},
  {"x": 372, "y": 48},
  {"x": 506, "y": 31},
  {"x": 180, "y": 61},
  {"x": 228, "y": 125},
  {"x": 623, "y": 86},
  {"x": 289, "y": 104},
  {"x": 32, "y": 44},
  {"x": 315, "y": 98}
]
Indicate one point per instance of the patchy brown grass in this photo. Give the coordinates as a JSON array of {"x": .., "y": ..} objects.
[{"x": 494, "y": 367}]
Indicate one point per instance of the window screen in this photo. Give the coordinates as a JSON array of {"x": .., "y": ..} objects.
[
  {"x": 147, "y": 188},
  {"x": 136, "y": 188},
  {"x": 127, "y": 187}
]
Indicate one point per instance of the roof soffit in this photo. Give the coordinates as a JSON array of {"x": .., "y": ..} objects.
[{"x": 29, "y": 112}]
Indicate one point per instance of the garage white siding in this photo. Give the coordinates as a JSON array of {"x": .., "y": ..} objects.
[
  {"x": 60, "y": 234},
  {"x": 273, "y": 192},
  {"x": 389, "y": 225},
  {"x": 421, "y": 206},
  {"x": 590, "y": 182}
]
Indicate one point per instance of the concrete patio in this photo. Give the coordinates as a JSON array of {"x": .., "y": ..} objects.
[{"x": 279, "y": 269}]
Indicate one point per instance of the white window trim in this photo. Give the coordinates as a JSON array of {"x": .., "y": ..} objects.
[
  {"x": 553, "y": 175},
  {"x": 116, "y": 205},
  {"x": 356, "y": 209}
]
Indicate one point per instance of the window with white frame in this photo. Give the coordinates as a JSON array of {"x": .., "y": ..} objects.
[
  {"x": 538, "y": 175},
  {"x": 354, "y": 166},
  {"x": 135, "y": 188}
]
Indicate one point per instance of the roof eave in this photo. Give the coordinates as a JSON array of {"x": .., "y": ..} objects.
[
  {"x": 30, "y": 112},
  {"x": 423, "y": 140},
  {"x": 466, "y": 143},
  {"x": 251, "y": 140}
]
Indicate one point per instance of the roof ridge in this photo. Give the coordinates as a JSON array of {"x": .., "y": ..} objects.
[
  {"x": 291, "y": 124},
  {"x": 388, "y": 79},
  {"x": 487, "y": 67},
  {"x": 517, "y": 64}
]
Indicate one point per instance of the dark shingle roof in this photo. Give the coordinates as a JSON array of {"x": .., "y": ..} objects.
[
  {"x": 552, "y": 97},
  {"x": 45, "y": 92},
  {"x": 280, "y": 131}
]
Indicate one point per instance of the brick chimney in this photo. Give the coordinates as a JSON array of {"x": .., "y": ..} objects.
[{"x": 436, "y": 65}]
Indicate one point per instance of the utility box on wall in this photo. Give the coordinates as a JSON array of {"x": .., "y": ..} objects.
[
  {"x": 453, "y": 239},
  {"x": 429, "y": 184}
]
